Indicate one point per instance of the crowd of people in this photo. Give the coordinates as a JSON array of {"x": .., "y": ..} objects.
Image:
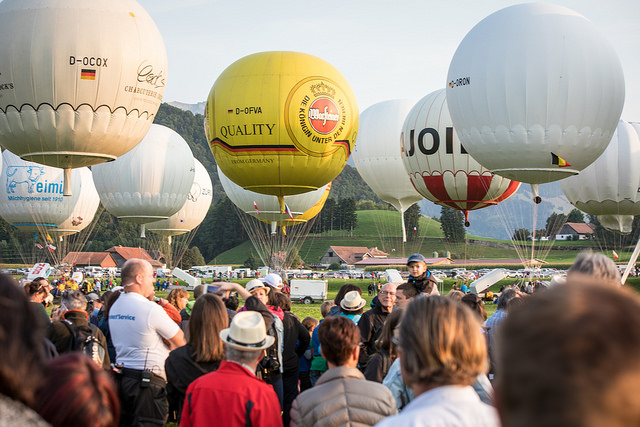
[{"x": 559, "y": 356}]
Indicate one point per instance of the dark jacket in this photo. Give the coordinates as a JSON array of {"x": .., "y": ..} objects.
[
  {"x": 60, "y": 335},
  {"x": 425, "y": 283},
  {"x": 182, "y": 369},
  {"x": 296, "y": 341},
  {"x": 370, "y": 326}
]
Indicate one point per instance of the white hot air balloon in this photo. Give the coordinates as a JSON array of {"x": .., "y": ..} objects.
[
  {"x": 266, "y": 207},
  {"x": 150, "y": 182},
  {"x": 535, "y": 92},
  {"x": 31, "y": 194},
  {"x": 80, "y": 81},
  {"x": 193, "y": 211},
  {"x": 609, "y": 187},
  {"x": 378, "y": 157},
  {"x": 438, "y": 165},
  {"x": 85, "y": 208}
]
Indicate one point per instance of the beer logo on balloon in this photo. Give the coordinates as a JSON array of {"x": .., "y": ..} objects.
[
  {"x": 324, "y": 115},
  {"x": 318, "y": 117}
]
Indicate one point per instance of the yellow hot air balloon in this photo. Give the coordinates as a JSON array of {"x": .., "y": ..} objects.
[{"x": 281, "y": 123}]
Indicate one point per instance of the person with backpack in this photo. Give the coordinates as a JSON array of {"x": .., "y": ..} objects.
[{"x": 74, "y": 332}]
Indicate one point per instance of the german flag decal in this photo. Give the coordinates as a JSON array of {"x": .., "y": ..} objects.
[
  {"x": 87, "y": 74},
  {"x": 562, "y": 163}
]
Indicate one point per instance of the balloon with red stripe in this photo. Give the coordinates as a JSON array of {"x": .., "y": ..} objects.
[{"x": 439, "y": 167}]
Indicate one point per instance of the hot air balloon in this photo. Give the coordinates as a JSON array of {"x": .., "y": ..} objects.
[
  {"x": 85, "y": 208},
  {"x": 150, "y": 182},
  {"x": 609, "y": 186},
  {"x": 31, "y": 194},
  {"x": 439, "y": 167},
  {"x": 80, "y": 82},
  {"x": 266, "y": 208},
  {"x": 535, "y": 92},
  {"x": 276, "y": 249},
  {"x": 193, "y": 211},
  {"x": 378, "y": 158},
  {"x": 281, "y": 123}
]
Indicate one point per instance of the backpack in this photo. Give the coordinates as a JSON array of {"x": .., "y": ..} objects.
[{"x": 84, "y": 340}]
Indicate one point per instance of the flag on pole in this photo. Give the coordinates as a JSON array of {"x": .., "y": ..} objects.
[
  {"x": 288, "y": 211},
  {"x": 615, "y": 255},
  {"x": 38, "y": 245},
  {"x": 51, "y": 247},
  {"x": 49, "y": 239},
  {"x": 255, "y": 206},
  {"x": 415, "y": 229}
]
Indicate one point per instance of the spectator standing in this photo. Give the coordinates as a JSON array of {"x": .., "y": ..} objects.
[
  {"x": 21, "y": 356},
  {"x": 233, "y": 394},
  {"x": 371, "y": 322},
  {"x": 492, "y": 324},
  {"x": 310, "y": 323},
  {"x": 75, "y": 391},
  {"x": 442, "y": 352},
  {"x": 318, "y": 363},
  {"x": 202, "y": 354},
  {"x": 143, "y": 335},
  {"x": 342, "y": 396},
  {"x": 405, "y": 293},
  {"x": 577, "y": 348},
  {"x": 386, "y": 351},
  {"x": 62, "y": 333}
]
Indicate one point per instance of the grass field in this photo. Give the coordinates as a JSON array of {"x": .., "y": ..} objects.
[{"x": 382, "y": 229}]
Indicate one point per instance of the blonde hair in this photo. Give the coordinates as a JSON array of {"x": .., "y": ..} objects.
[
  {"x": 175, "y": 295},
  {"x": 441, "y": 342}
]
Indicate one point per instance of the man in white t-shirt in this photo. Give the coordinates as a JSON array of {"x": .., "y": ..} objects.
[{"x": 143, "y": 335}]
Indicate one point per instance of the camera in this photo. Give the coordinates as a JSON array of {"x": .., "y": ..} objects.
[{"x": 268, "y": 366}]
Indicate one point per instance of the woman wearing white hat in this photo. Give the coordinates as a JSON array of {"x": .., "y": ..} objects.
[{"x": 352, "y": 306}]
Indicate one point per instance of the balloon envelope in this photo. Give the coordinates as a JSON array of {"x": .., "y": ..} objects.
[
  {"x": 538, "y": 84},
  {"x": 80, "y": 81},
  {"x": 150, "y": 182},
  {"x": 193, "y": 211},
  {"x": 85, "y": 208},
  {"x": 377, "y": 154},
  {"x": 266, "y": 208},
  {"x": 281, "y": 123},
  {"x": 438, "y": 165},
  {"x": 31, "y": 194},
  {"x": 609, "y": 187}
]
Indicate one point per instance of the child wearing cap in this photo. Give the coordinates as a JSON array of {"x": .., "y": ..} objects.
[{"x": 420, "y": 276}]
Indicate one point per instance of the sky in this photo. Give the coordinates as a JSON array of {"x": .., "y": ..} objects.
[{"x": 385, "y": 49}]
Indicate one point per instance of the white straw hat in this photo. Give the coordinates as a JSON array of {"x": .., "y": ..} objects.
[
  {"x": 247, "y": 332},
  {"x": 352, "y": 301},
  {"x": 254, "y": 284}
]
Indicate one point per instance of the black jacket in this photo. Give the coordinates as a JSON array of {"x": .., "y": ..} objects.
[
  {"x": 370, "y": 326},
  {"x": 296, "y": 341},
  {"x": 182, "y": 370}
]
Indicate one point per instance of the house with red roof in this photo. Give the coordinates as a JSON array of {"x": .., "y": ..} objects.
[
  {"x": 575, "y": 231},
  {"x": 89, "y": 259},
  {"x": 350, "y": 255}
]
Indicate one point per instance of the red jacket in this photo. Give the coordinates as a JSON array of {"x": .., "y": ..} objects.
[{"x": 224, "y": 396}]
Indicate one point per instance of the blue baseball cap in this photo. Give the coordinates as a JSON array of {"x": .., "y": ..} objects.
[{"x": 416, "y": 258}]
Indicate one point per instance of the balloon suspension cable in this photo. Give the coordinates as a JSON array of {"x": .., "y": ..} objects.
[
  {"x": 535, "y": 189},
  {"x": 67, "y": 182},
  {"x": 632, "y": 262},
  {"x": 533, "y": 234}
]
